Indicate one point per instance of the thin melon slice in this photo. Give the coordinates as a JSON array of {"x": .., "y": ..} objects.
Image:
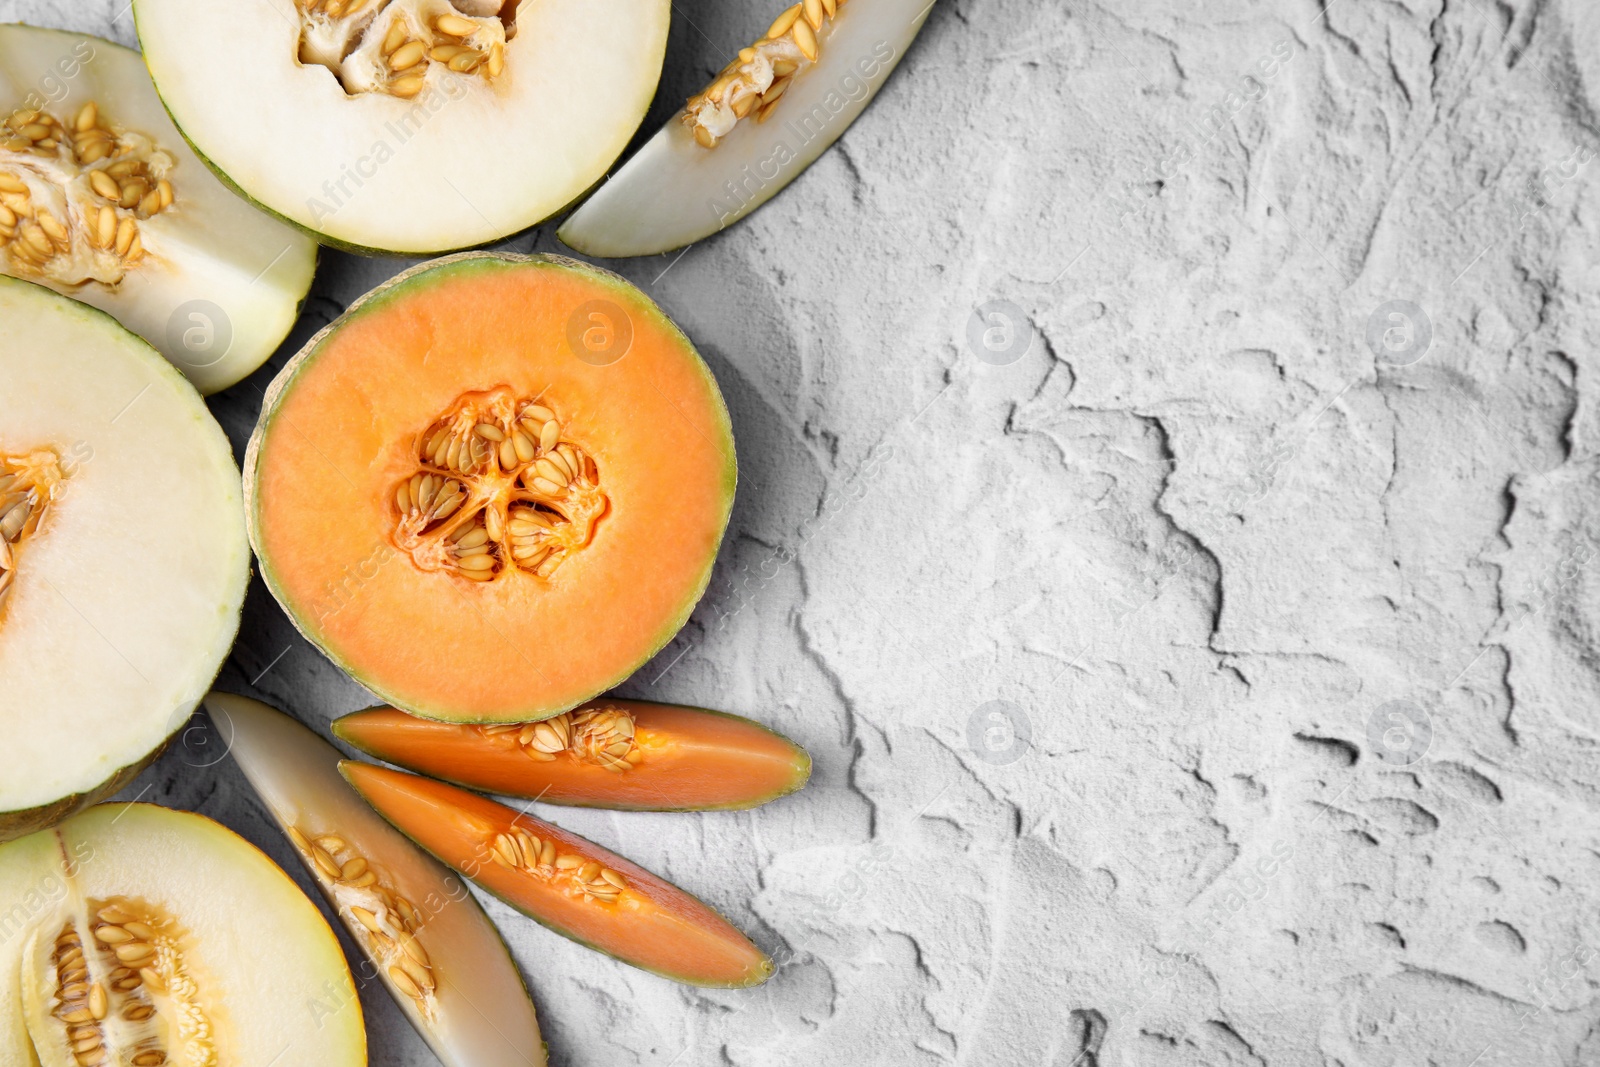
[
  {"x": 101, "y": 199},
  {"x": 428, "y": 940},
  {"x": 123, "y": 558},
  {"x": 409, "y": 126},
  {"x": 564, "y": 882},
  {"x": 493, "y": 488},
  {"x": 609, "y": 753},
  {"x": 154, "y": 937},
  {"x": 777, "y": 106}
]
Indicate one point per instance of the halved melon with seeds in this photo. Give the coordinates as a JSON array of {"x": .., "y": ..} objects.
[
  {"x": 608, "y": 753},
  {"x": 426, "y": 936},
  {"x": 101, "y": 199},
  {"x": 777, "y": 106},
  {"x": 141, "y": 937},
  {"x": 123, "y": 560},
  {"x": 567, "y": 883},
  {"x": 409, "y": 126},
  {"x": 493, "y": 488}
]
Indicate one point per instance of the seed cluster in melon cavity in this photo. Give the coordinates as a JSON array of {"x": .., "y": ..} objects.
[
  {"x": 760, "y": 75},
  {"x": 73, "y": 192},
  {"x": 501, "y": 490},
  {"x": 601, "y": 736}
]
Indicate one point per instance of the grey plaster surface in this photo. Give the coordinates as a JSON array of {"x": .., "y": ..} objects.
[{"x": 1215, "y": 682}]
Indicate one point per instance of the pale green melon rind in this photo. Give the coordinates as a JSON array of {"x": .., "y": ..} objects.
[
  {"x": 310, "y": 273},
  {"x": 801, "y": 764},
  {"x": 398, "y": 288},
  {"x": 369, "y": 250},
  {"x": 20, "y": 823},
  {"x": 759, "y": 977}
]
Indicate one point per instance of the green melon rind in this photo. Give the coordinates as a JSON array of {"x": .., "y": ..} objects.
[
  {"x": 370, "y": 250},
  {"x": 760, "y": 976},
  {"x": 801, "y": 764},
  {"x": 316, "y": 258},
  {"x": 25, "y": 821},
  {"x": 398, "y": 288}
]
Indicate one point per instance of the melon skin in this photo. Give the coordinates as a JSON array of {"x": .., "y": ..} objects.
[
  {"x": 215, "y": 622},
  {"x": 390, "y": 295}
]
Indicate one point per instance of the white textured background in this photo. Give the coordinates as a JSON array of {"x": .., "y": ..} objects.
[{"x": 1199, "y": 540}]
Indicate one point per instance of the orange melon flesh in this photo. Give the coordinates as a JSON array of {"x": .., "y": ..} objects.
[
  {"x": 653, "y": 925},
  {"x": 340, "y": 430},
  {"x": 691, "y": 759}
]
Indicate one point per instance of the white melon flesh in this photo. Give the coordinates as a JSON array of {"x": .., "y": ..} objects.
[
  {"x": 214, "y": 283},
  {"x": 304, "y": 111},
  {"x": 675, "y": 191},
  {"x": 474, "y": 979},
  {"x": 120, "y": 594},
  {"x": 160, "y": 936}
]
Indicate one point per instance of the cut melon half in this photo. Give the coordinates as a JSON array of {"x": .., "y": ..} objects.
[
  {"x": 772, "y": 111},
  {"x": 565, "y": 882},
  {"x": 424, "y": 935},
  {"x": 137, "y": 936},
  {"x": 609, "y": 753},
  {"x": 408, "y": 126},
  {"x": 123, "y": 558},
  {"x": 493, "y": 488},
  {"x": 101, "y": 199}
]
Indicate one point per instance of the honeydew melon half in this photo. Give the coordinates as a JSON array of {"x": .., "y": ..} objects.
[
  {"x": 407, "y": 126},
  {"x": 123, "y": 558},
  {"x": 136, "y": 935},
  {"x": 424, "y": 935},
  {"x": 177, "y": 257},
  {"x": 772, "y": 111}
]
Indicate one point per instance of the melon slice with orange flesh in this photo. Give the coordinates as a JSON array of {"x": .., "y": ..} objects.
[
  {"x": 564, "y": 882},
  {"x": 609, "y": 753},
  {"x": 493, "y": 488},
  {"x": 428, "y": 940}
]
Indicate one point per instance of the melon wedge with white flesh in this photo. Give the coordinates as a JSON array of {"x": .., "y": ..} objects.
[
  {"x": 565, "y": 882},
  {"x": 123, "y": 559},
  {"x": 137, "y": 935},
  {"x": 778, "y": 106},
  {"x": 427, "y": 938},
  {"x": 407, "y": 126},
  {"x": 101, "y": 199}
]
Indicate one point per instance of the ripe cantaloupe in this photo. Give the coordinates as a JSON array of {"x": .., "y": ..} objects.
[{"x": 493, "y": 488}]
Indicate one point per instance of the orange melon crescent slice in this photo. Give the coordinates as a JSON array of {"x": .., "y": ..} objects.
[
  {"x": 493, "y": 488},
  {"x": 608, "y": 753},
  {"x": 565, "y": 882}
]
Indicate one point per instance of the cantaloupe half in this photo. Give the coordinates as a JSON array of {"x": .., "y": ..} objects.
[
  {"x": 411, "y": 126},
  {"x": 123, "y": 559},
  {"x": 564, "y": 882},
  {"x": 101, "y": 199},
  {"x": 608, "y": 753},
  {"x": 493, "y": 488},
  {"x": 137, "y": 936},
  {"x": 425, "y": 937}
]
